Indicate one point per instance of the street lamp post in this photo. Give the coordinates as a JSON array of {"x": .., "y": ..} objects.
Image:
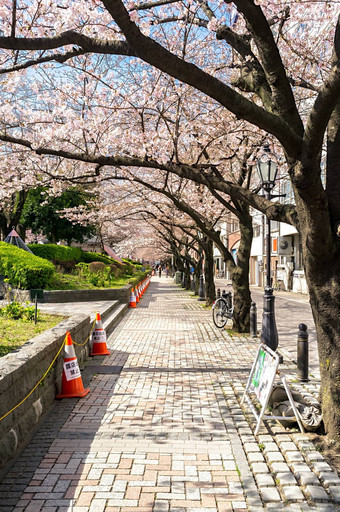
[{"x": 267, "y": 169}]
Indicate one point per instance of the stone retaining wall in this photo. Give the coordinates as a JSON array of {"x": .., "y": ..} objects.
[
  {"x": 19, "y": 373},
  {"x": 121, "y": 294},
  {"x": 51, "y": 296}
]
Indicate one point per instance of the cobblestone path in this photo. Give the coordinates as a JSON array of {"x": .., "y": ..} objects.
[{"x": 162, "y": 428}]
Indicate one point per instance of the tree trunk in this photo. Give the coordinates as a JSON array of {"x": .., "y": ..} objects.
[
  {"x": 240, "y": 280},
  {"x": 197, "y": 273},
  {"x": 210, "y": 294},
  {"x": 187, "y": 277},
  {"x": 321, "y": 252},
  {"x": 321, "y": 256},
  {"x": 324, "y": 289},
  {"x": 240, "y": 271}
]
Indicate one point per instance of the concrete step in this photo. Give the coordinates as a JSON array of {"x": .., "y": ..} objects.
[
  {"x": 108, "y": 310},
  {"x": 113, "y": 320},
  {"x": 112, "y": 315}
]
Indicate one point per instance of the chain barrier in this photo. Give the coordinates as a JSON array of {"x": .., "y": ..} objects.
[
  {"x": 48, "y": 369},
  {"x": 89, "y": 336}
]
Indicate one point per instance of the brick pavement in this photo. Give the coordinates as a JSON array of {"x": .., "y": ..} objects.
[{"x": 162, "y": 428}]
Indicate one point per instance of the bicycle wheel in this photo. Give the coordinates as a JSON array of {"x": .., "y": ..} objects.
[{"x": 220, "y": 313}]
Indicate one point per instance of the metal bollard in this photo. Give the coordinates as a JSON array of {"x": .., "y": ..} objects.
[
  {"x": 302, "y": 353},
  {"x": 218, "y": 295},
  {"x": 36, "y": 309},
  {"x": 253, "y": 320},
  {"x": 201, "y": 294}
]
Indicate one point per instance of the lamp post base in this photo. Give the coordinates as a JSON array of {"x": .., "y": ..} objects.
[{"x": 269, "y": 334}]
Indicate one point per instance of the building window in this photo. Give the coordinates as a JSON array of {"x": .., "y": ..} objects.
[{"x": 256, "y": 230}]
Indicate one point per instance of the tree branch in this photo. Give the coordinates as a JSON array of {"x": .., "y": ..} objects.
[
  {"x": 69, "y": 37},
  {"x": 271, "y": 61},
  {"x": 275, "y": 211},
  {"x": 58, "y": 57},
  {"x": 153, "y": 53}
]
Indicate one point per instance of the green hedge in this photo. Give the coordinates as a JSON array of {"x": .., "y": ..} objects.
[
  {"x": 56, "y": 252},
  {"x": 23, "y": 269},
  {"x": 125, "y": 268},
  {"x": 89, "y": 257},
  {"x": 60, "y": 253}
]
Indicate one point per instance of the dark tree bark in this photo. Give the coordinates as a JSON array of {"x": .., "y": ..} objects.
[
  {"x": 240, "y": 276},
  {"x": 210, "y": 294}
]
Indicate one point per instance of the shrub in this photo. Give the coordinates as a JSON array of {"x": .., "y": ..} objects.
[
  {"x": 115, "y": 270},
  {"x": 89, "y": 257},
  {"x": 23, "y": 269},
  {"x": 65, "y": 266},
  {"x": 53, "y": 252},
  {"x": 16, "y": 310},
  {"x": 134, "y": 262},
  {"x": 96, "y": 273},
  {"x": 128, "y": 268},
  {"x": 96, "y": 266}
]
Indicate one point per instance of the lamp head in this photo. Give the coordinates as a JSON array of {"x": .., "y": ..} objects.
[{"x": 267, "y": 169}]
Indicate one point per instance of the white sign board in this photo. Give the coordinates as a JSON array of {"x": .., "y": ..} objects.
[
  {"x": 266, "y": 365},
  {"x": 71, "y": 370},
  {"x": 261, "y": 381},
  {"x": 99, "y": 336}
]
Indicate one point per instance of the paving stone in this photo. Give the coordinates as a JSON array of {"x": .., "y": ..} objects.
[
  {"x": 335, "y": 493},
  {"x": 299, "y": 467},
  {"x": 320, "y": 467},
  {"x": 274, "y": 457},
  {"x": 329, "y": 478},
  {"x": 274, "y": 507},
  {"x": 167, "y": 432},
  {"x": 161, "y": 506},
  {"x": 255, "y": 457},
  {"x": 313, "y": 455},
  {"x": 259, "y": 467},
  {"x": 294, "y": 457},
  {"x": 325, "y": 507},
  {"x": 316, "y": 493},
  {"x": 251, "y": 447},
  {"x": 270, "y": 447},
  {"x": 308, "y": 478},
  {"x": 264, "y": 480},
  {"x": 286, "y": 478},
  {"x": 270, "y": 494},
  {"x": 292, "y": 493},
  {"x": 279, "y": 467},
  {"x": 287, "y": 446},
  {"x": 305, "y": 445}
]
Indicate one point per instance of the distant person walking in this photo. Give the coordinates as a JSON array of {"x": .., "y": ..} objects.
[{"x": 160, "y": 271}]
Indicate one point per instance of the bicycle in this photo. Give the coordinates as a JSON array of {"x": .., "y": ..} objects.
[
  {"x": 279, "y": 286},
  {"x": 223, "y": 310}
]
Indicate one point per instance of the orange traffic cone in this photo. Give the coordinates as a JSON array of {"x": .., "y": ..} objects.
[
  {"x": 133, "y": 299},
  {"x": 72, "y": 384},
  {"x": 99, "y": 347},
  {"x": 137, "y": 295}
]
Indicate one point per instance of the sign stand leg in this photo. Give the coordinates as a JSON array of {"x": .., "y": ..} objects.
[{"x": 292, "y": 403}]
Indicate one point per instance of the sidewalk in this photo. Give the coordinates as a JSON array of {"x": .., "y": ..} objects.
[
  {"x": 162, "y": 429},
  {"x": 291, "y": 309}
]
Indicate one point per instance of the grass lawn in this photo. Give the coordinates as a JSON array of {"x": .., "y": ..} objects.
[{"x": 14, "y": 333}]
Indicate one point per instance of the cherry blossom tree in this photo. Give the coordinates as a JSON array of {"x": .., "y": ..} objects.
[{"x": 273, "y": 64}]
